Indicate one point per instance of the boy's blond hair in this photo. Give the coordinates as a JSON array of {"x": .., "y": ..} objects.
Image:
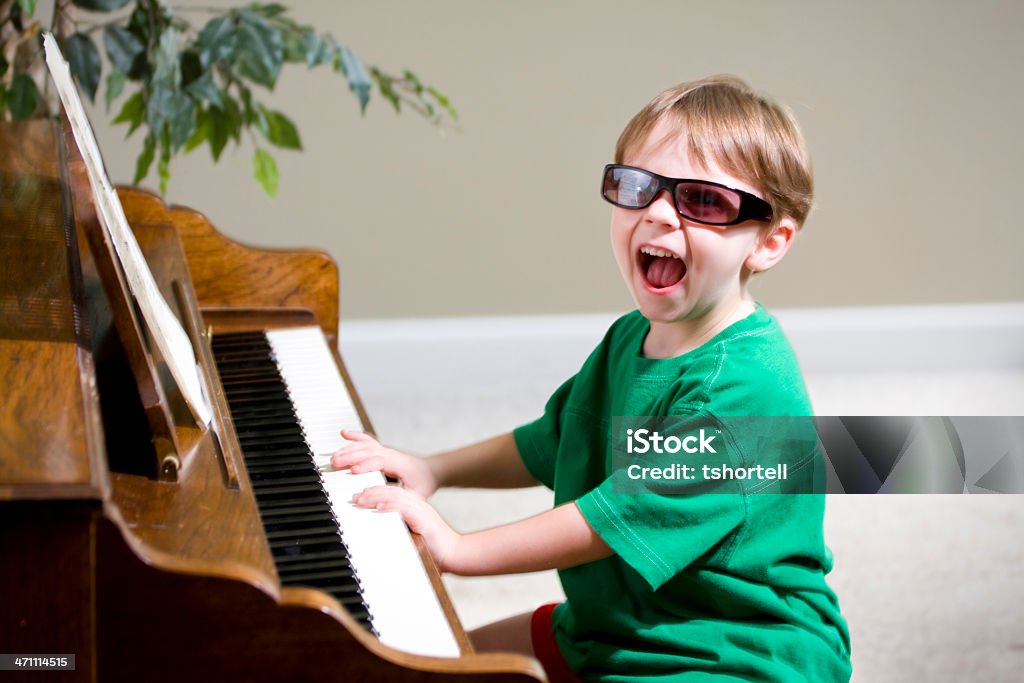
[{"x": 748, "y": 135}]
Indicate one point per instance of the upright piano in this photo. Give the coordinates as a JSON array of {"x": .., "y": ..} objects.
[{"x": 153, "y": 548}]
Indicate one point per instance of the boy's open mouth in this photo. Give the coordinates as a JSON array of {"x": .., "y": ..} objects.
[{"x": 662, "y": 269}]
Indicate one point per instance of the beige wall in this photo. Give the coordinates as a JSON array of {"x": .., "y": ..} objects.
[{"x": 913, "y": 111}]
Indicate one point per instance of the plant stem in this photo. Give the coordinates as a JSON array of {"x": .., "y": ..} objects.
[{"x": 64, "y": 16}]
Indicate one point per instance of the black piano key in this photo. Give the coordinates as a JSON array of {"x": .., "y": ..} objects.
[
  {"x": 296, "y": 521},
  {"x": 249, "y": 384},
  {"x": 283, "y": 478},
  {"x": 264, "y": 392},
  {"x": 253, "y": 436},
  {"x": 277, "y": 402},
  {"x": 272, "y": 455},
  {"x": 286, "y": 485},
  {"x": 271, "y": 514},
  {"x": 240, "y": 371},
  {"x": 299, "y": 523},
  {"x": 327, "y": 573},
  {"x": 256, "y": 411},
  {"x": 303, "y": 546},
  {"x": 300, "y": 568},
  {"x": 276, "y": 443},
  {"x": 279, "y": 463},
  {"x": 297, "y": 557},
  {"x": 262, "y": 423},
  {"x": 354, "y": 603},
  {"x": 226, "y": 344},
  {"x": 282, "y": 535},
  {"x": 266, "y": 500},
  {"x": 345, "y": 587},
  {"x": 228, "y": 365}
]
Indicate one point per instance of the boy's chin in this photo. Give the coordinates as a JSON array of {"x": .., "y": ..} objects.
[{"x": 663, "y": 314}]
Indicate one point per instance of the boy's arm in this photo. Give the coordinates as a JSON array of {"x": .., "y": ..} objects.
[
  {"x": 556, "y": 539},
  {"x": 494, "y": 463}
]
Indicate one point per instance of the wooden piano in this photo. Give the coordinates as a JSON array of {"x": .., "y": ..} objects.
[{"x": 148, "y": 547}]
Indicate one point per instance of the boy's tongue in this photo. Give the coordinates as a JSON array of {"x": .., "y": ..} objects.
[{"x": 664, "y": 272}]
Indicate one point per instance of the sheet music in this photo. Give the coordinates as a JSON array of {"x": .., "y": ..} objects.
[{"x": 164, "y": 327}]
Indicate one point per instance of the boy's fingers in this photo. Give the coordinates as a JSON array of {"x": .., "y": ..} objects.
[
  {"x": 348, "y": 457},
  {"x": 375, "y": 496},
  {"x": 350, "y": 435},
  {"x": 354, "y": 452},
  {"x": 369, "y": 464},
  {"x": 394, "y": 499}
]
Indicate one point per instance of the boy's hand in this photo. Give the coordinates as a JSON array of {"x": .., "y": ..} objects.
[
  {"x": 418, "y": 514},
  {"x": 366, "y": 454}
]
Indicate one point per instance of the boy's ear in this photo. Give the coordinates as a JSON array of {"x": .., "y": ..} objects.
[{"x": 770, "y": 249}]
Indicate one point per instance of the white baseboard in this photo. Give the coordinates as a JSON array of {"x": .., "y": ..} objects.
[{"x": 523, "y": 349}]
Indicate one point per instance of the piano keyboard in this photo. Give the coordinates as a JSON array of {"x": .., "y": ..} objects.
[{"x": 289, "y": 402}]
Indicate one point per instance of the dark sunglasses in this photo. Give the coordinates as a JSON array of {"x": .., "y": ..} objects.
[{"x": 699, "y": 200}]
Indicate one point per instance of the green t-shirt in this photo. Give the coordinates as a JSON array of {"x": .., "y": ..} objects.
[{"x": 717, "y": 586}]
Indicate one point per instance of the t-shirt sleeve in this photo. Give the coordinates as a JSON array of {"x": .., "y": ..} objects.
[
  {"x": 660, "y": 527},
  {"x": 660, "y": 535},
  {"x": 537, "y": 441}
]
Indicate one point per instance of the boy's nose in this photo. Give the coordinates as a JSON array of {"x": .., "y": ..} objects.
[{"x": 663, "y": 210}]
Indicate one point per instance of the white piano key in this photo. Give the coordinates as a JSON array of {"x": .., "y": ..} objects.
[
  {"x": 402, "y": 602},
  {"x": 403, "y": 605}
]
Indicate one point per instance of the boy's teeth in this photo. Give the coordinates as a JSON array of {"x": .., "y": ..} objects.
[{"x": 654, "y": 251}]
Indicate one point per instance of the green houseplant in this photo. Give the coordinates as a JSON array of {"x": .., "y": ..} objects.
[{"x": 189, "y": 77}]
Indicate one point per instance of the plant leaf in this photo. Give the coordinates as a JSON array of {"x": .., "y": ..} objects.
[
  {"x": 28, "y": 7},
  {"x": 301, "y": 43},
  {"x": 217, "y": 131},
  {"x": 326, "y": 48},
  {"x": 181, "y": 121},
  {"x": 191, "y": 67},
  {"x": 358, "y": 81},
  {"x": 233, "y": 119},
  {"x": 265, "y": 169},
  {"x": 145, "y": 159},
  {"x": 217, "y": 41},
  {"x": 166, "y": 61},
  {"x": 201, "y": 132},
  {"x": 165, "y": 94},
  {"x": 445, "y": 103},
  {"x": 22, "y": 97},
  {"x": 260, "y": 52},
  {"x": 115, "y": 85},
  {"x": 248, "y": 112},
  {"x": 133, "y": 112},
  {"x": 100, "y": 5},
  {"x": 385, "y": 84},
  {"x": 84, "y": 62},
  {"x": 204, "y": 88},
  {"x": 280, "y": 130},
  {"x": 163, "y": 166},
  {"x": 268, "y": 10},
  {"x": 123, "y": 50}
]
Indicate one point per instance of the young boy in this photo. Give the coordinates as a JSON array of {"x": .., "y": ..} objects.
[{"x": 710, "y": 185}]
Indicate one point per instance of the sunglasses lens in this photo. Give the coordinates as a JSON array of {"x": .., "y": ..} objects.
[
  {"x": 628, "y": 187},
  {"x": 707, "y": 203}
]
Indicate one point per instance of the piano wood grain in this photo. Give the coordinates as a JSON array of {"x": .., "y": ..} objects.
[{"x": 229, "y": 274}]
